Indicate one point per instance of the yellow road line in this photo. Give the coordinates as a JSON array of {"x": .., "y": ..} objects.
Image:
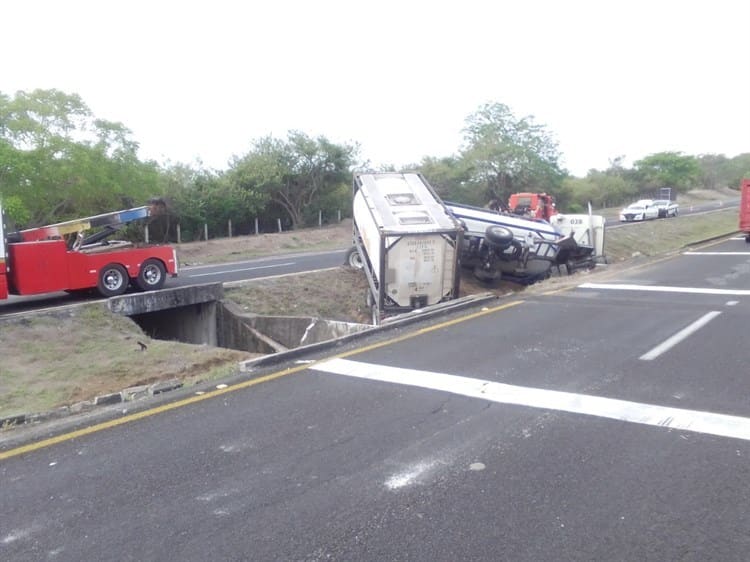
[{"x": 246, "y": 384}]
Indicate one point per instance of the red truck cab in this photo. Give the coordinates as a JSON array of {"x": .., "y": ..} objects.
[{"x": 532, "y": 205}]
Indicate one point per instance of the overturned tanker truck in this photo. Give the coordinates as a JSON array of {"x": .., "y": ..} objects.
[
  {"x": 406, "y": 241},
  {"x": 411, "y": 245},
  {"x": 499, "y": 245}
]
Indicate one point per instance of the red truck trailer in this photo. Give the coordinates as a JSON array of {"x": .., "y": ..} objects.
[
  {"x": 60, "y": 257},
  {"x": 745, "y": 208}
]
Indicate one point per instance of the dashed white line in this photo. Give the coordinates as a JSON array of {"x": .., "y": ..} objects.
[
  {"x": 672, "y": 341},
  {"x": 241, "y": 269},
  {"x": 716, "y": 253},
  {"x": 722, "y": 425},
  {"x": 664, "y": 289}
]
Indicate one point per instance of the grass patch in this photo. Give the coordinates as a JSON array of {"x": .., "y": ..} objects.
[
  {"x": 59, "y": 358},
  {"x": 661, "y": 236}
]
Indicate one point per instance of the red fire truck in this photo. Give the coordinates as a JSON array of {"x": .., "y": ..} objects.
[{"x": 60, "y": 257}]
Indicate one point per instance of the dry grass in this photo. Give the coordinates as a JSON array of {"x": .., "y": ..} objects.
[
  {"x": 75, "y": 354},
  {"x": 333, "y": 295}
]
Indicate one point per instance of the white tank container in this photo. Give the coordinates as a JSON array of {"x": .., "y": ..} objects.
[{"x": 407, "y": 239}]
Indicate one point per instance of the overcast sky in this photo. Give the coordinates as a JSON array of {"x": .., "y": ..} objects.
[{"x": 201, "y": 80}]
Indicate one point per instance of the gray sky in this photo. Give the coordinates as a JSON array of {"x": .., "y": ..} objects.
[{"x": 200, "y": 80}]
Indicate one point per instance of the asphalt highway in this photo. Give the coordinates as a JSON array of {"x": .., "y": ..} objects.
[{"x": 608, "y": 421}]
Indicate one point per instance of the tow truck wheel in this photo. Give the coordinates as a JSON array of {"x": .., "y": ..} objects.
[
  {"x": 152, "y": 275},
  {"x": 113, "y": 280},
  {"x": 353, "y": 259}
]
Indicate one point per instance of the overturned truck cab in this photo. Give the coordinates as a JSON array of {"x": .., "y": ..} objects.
[{"x": 498, "y": 245}]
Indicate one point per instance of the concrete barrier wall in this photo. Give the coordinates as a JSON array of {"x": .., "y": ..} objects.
[
  {"x": 197, "y": 314},
  {"x": 189, "y": 324},
  {"x": 233, "y": 331},
  {"x": 270, "y": 334}
]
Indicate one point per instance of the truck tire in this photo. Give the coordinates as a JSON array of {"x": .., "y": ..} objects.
[
  {"x": 498, "y": 236},
  {"x": 113, "y": 280},
  {"x": 152, "y": 275},
  {"x": 354, "y": 259}
]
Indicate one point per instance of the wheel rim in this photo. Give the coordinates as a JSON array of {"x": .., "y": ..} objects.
[
  {"x": 112, "y": 280},
  {"x": 355, "y": 260},
  {"x": 152, "y": 275}
]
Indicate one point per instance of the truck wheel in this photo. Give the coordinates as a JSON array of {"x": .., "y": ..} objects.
[
  {"x": 353, "y": 259},
  {"x": 113, "y": 280},
  {"x": 498, "y": 236},
  {"x": 152, "y": 275}
]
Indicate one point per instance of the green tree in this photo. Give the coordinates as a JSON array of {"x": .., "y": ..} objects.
[
  {"x": 198, "y": 197},
  {"x": 61, "y": 162},
  {"x": 506, "y": 154},
  {"x": 297, "y": 175},
  {"x": 712, "y": 166},
  {"x": 602, "y": 189},
  {"x": 451, "y": 178},
  {"x": 734, "y": 170},
  {"x": 668, "y": 169}
]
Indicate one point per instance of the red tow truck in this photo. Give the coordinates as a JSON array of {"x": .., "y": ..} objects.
[{"x": 60, "y": 257}]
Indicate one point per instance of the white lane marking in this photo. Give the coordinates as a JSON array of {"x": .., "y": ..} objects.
[
  {"x": 672, "y": 341},
  {"x": 716, "y": 253},
  {"x": 664, "y": 289},
  {"x": 722, "y": 425},
  {"x": 732, "y": 303},
  {"x": 242, "y": 269}
]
